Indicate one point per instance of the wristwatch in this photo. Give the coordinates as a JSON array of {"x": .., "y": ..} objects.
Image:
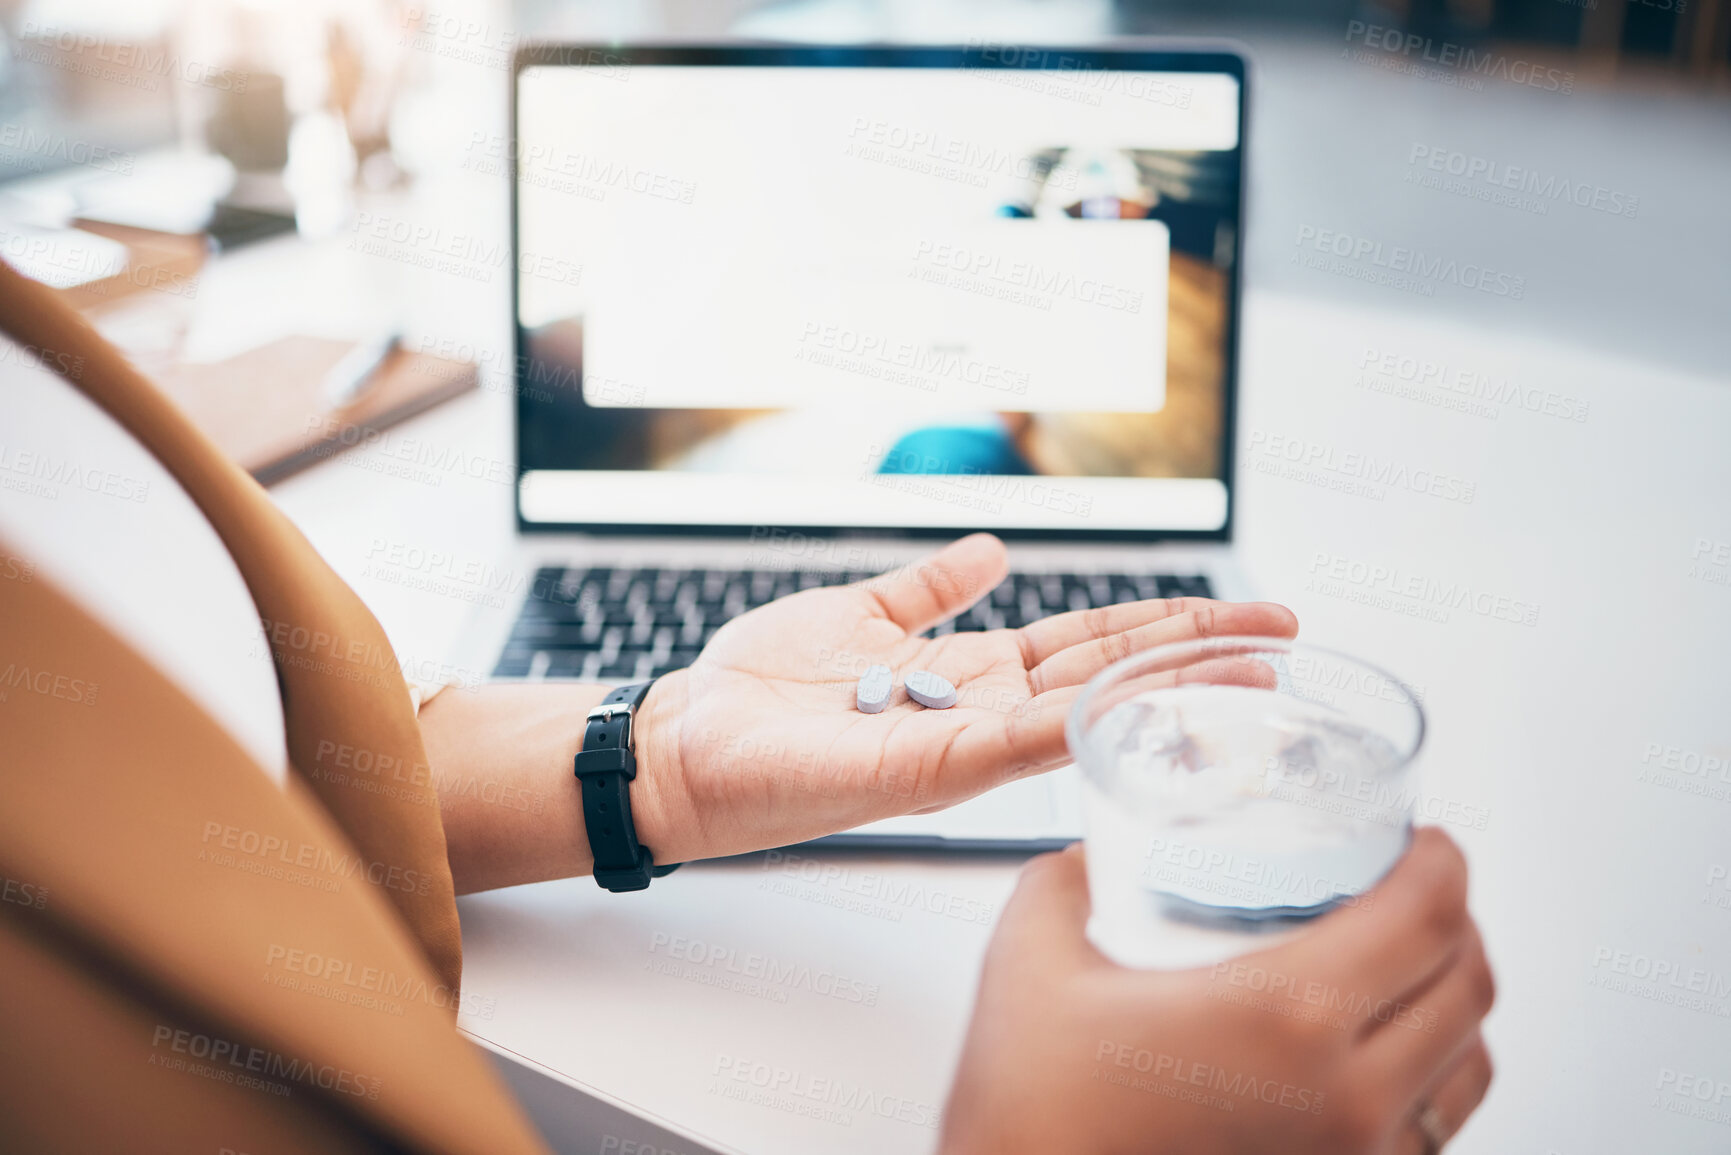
[{"x": 605, "y": 767}]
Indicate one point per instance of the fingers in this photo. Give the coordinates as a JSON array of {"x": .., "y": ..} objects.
[
  {"x": 1050, "y": 636},
  {"x": 1032, "y": 739},
  {"x": 1046, "y": 919},
  {"x": 1464, "y": 1088},
  {"x": 1399, "y": 934},
  {"x": 1081, "y": 661},
  {"x": 1419, "y": 1040},
  {"x": 1456, "y": 1096},
  {"x": 918, "y": 596}
]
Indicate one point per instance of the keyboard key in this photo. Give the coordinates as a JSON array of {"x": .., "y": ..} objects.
[
  {"x": 691, "y": 632},
  {"x": 621, "y": 669},
  {"x": 513, "y": 663},
  {"x": 565, "y": 664},
  {"x": 1182, "y": 586},
  {"x": 590, "y": 631}
]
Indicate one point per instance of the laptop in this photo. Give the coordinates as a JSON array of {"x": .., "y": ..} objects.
[{"x": 787, "y": 316}]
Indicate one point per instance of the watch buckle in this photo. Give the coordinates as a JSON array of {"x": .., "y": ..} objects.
[{"x": 607, "y": 711}]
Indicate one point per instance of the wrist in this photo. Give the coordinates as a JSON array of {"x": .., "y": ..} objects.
[
  {"x": 660, "y": 805},
  {"x": 501, "y": 758}
]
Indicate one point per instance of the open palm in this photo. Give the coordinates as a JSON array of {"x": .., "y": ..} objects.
[{"x": 759, "y": 742}]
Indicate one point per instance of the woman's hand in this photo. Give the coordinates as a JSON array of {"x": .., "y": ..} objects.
[
  {"x": 759, "y": 743},
  {"x": 1331, "y": 1044}
]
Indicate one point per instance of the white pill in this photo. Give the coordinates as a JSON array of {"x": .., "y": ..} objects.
[
  {"x": 928, "y": 689},
  {"x": 874, "y": 691}
]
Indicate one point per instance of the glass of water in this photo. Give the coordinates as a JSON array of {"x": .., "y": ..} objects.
[{"x": 1236, "y": 788}]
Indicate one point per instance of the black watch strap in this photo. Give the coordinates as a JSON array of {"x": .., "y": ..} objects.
[{"x": 606, "y": 764}]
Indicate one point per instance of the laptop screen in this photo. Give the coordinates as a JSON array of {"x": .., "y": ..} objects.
[{"x": 834, "y": 291}]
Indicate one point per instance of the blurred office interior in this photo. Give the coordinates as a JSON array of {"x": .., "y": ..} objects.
[{"x": 243, "y": 120}]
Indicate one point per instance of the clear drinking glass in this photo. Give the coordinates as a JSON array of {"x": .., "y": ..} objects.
[{"x": 1236, "y": 788}]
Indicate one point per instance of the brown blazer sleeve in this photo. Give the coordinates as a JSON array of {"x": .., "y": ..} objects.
[
  {"x": 341, "y": 685},
  {"x": 194, "y": 959}
]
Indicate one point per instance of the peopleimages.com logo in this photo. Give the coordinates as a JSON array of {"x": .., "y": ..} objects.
[
  {"x": 1414, "y": 264},
  {"x": 1517, "y": 186},
  {"x": 1410, "y": 48},
  {"x": 134, "y": 65}
]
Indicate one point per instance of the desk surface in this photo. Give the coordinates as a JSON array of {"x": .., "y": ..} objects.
[{"x": 1567, "y": 639}]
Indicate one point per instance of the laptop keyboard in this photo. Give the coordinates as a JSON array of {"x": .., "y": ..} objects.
[{"x": 606, "y": 624}]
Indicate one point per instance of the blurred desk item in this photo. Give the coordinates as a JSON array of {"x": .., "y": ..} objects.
[
  {"x": 268, "y": 410},
  {"x": 187, "y": 193},
  {"x": 169, "y": 191},
  {"x": 62, "y": 258},
  {"x": 168, "y": 262},
  {"x": 352, "y": 375},
  {"x": 231, "y": 226},
  {"x": 251, "y": 125}
]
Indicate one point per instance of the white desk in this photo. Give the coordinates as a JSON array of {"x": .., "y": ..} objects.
[{"x": 1583, "y": 868}]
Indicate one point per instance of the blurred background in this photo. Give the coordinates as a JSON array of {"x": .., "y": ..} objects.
[{"x": 245, "y": 120}]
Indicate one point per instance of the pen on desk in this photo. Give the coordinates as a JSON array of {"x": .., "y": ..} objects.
[{"x": 349, "y": 376}]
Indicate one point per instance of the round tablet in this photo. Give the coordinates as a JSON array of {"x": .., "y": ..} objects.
[
  {"x": 928, "y": 689},
  {"x": 875, "y": 687}
]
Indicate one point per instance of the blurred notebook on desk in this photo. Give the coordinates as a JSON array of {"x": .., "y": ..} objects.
[{"x": 268, "y": 409}]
